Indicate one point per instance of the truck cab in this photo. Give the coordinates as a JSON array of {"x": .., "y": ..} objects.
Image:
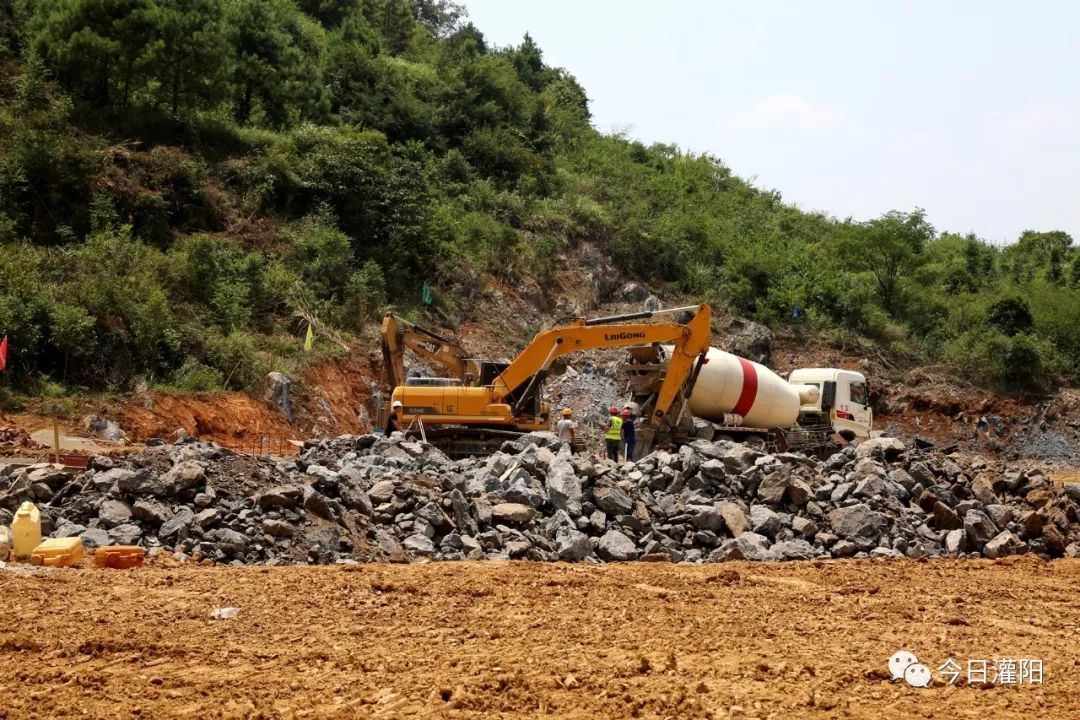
[{"x": 843, "y": 401}]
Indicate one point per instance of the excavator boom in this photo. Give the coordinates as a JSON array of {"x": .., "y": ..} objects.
[
  {"x": 691, "y": 340},
  {"x": 399, "y": 334},
  {"x": 511, "y": 400}
]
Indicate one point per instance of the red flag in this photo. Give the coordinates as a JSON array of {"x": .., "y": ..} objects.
[{"x": 3, "y": 353}]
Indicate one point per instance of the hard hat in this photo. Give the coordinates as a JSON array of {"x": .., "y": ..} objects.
[
  {"x": 396, "y": 404},
  {"x": 567, "y": 412},
  {"x": 626, "y": 412},
  {"x": 614, "y": 410}
]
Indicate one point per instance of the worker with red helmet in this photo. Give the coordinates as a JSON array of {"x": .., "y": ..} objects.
[
  {"x": 629, "y": 436},
  {"x": 613, "y": 434}
]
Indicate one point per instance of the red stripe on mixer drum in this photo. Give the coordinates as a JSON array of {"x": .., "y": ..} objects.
[{"x": 749, "y": 388}]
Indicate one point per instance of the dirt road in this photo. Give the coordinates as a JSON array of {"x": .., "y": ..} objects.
[{"x": 796, "y": 640}]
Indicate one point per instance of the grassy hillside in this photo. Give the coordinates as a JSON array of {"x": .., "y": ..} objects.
[{"x": 184, "y": 184}]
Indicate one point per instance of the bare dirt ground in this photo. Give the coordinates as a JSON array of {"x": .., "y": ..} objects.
[{"x": 796, "y": 640}]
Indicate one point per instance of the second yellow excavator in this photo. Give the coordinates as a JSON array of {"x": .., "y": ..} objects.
[
  {"x": 398, "y": 334},
  {"x": 474, "y": 419}
]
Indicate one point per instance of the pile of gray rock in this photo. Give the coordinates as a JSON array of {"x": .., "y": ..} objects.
[{"x": 364, "y": 498}]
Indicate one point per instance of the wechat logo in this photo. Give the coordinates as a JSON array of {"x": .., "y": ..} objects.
[{"x": 905, "y": 665}]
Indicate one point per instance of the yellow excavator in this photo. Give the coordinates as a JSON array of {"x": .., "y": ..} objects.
[
  {"x": 465, "y": 418},
  {"x": 398, "y": 334}
]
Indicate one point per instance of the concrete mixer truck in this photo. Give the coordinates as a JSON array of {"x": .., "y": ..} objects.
[{"x": 735, "y": 398}]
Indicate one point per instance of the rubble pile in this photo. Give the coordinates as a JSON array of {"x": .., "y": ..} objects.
[
  {"x": 15, "y": 437},
  {"x": 361, "y": 498}
]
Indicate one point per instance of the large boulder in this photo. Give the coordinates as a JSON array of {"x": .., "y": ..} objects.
[
  {"x": 278, "y": 528},
  {"x": 705, "y": 517},
  {"x": 283, "y": 496},
  {"x": 419, "y": 545},
  {"x": 113, "y": 513},
  {"x": 797, "y": 549},
  {"x": 979, "y": 529},
  {"x": 859, "y": 524},
  {"x": 764, "y": 521},
  {"x": 381, "y": 492},
  {"x": 748, "y": 339},
  {"x": 734, "y": 518},
  {"x": 572, "y": 545},
  {"x": 1002, "y": 544},
  {"x": 126, "y": 534},
  {"x": 316, "y": 503},
  {"x": 615, "y": 546},
  {"x": 748, "y": 546},
  {"x": 184, "y": 475},
  {"x": 512, "y": 513},
  {"x": 563, "y": 487},
  {"x": 135, "y": 482},
  {"x": 613, "y": 500},
  {"x": 954, "y": 542},
  {"x": 945, "y": 518},
  {"x": 95, "y": 538},
  {"x": 177, "y": 527},
  {"x": 889, "y": 448},
  {"x": 772, "y": 489},
  {"x": 230, "y": 542},
  {"x": 150, "y": 512}
]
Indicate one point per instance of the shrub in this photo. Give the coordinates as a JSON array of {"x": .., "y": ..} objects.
[
  {"x": 1010, "y": 315},
  {"x": 196, "y": 377}
]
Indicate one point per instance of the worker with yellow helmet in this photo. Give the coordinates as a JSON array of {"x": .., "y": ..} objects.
[{"x": 565, "y": 429}]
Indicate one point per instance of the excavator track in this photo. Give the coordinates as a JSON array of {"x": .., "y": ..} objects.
[{"x": 462, "y": 442}]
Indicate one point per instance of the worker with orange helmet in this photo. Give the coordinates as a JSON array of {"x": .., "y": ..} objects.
[
  {"x": 566, "y": 427},
  {"x": 629, "y": 436},
  {"x": 613, "y": 434}
]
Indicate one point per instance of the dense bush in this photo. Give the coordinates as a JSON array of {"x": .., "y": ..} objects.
[{"x": 182, "y": 180}]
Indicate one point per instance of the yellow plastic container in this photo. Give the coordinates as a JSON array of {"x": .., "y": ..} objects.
[
  {"x": 120, "y": 557},
  {"x": 58, "y": 552},
  {"x": 25, "y": 531},
  {"x": 5, "y": 542}
]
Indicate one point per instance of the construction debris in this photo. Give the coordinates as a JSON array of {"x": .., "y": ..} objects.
[
  {"x": 366, "y": 498},
  {"x": 16, "y": 437}
]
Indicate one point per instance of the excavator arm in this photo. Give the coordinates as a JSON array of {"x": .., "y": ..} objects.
[
  {"x": 691, "y": 341},
  {"x": 399, "y": 334}
]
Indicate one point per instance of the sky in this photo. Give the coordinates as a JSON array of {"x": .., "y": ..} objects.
[{"x": 969, "y": 110}]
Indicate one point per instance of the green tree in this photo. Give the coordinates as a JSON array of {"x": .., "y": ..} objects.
[
  {"x": 528, "y": 60},
  {"x": 321, "y": 255},
  {"x": 331, "y": 13},
  {"x": 889, "y": 248},
  {"x": 100, "y": 49},
  {"x": 71, "y": 330},
  {"x": 1038, "y": 255},
  {"x": 274, "y": 70},
  {"x": 365, "y": 295},
  {"x": 394, "y": 20},
  {"x": 441, "y": 17},
  {"x": 192, "y": 55},
  {"x": 13, "y": 16}
]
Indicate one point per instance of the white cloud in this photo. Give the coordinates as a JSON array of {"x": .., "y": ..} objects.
[{"x": 786, "y": 110}]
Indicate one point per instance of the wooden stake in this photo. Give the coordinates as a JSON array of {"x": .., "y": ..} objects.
[{"x": 56, "y": 440}]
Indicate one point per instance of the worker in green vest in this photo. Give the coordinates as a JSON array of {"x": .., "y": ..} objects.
[{"x": 613, "y": 434}]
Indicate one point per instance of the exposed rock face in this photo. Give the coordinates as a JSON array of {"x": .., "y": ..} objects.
[{"x": 279, "y": 393}]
